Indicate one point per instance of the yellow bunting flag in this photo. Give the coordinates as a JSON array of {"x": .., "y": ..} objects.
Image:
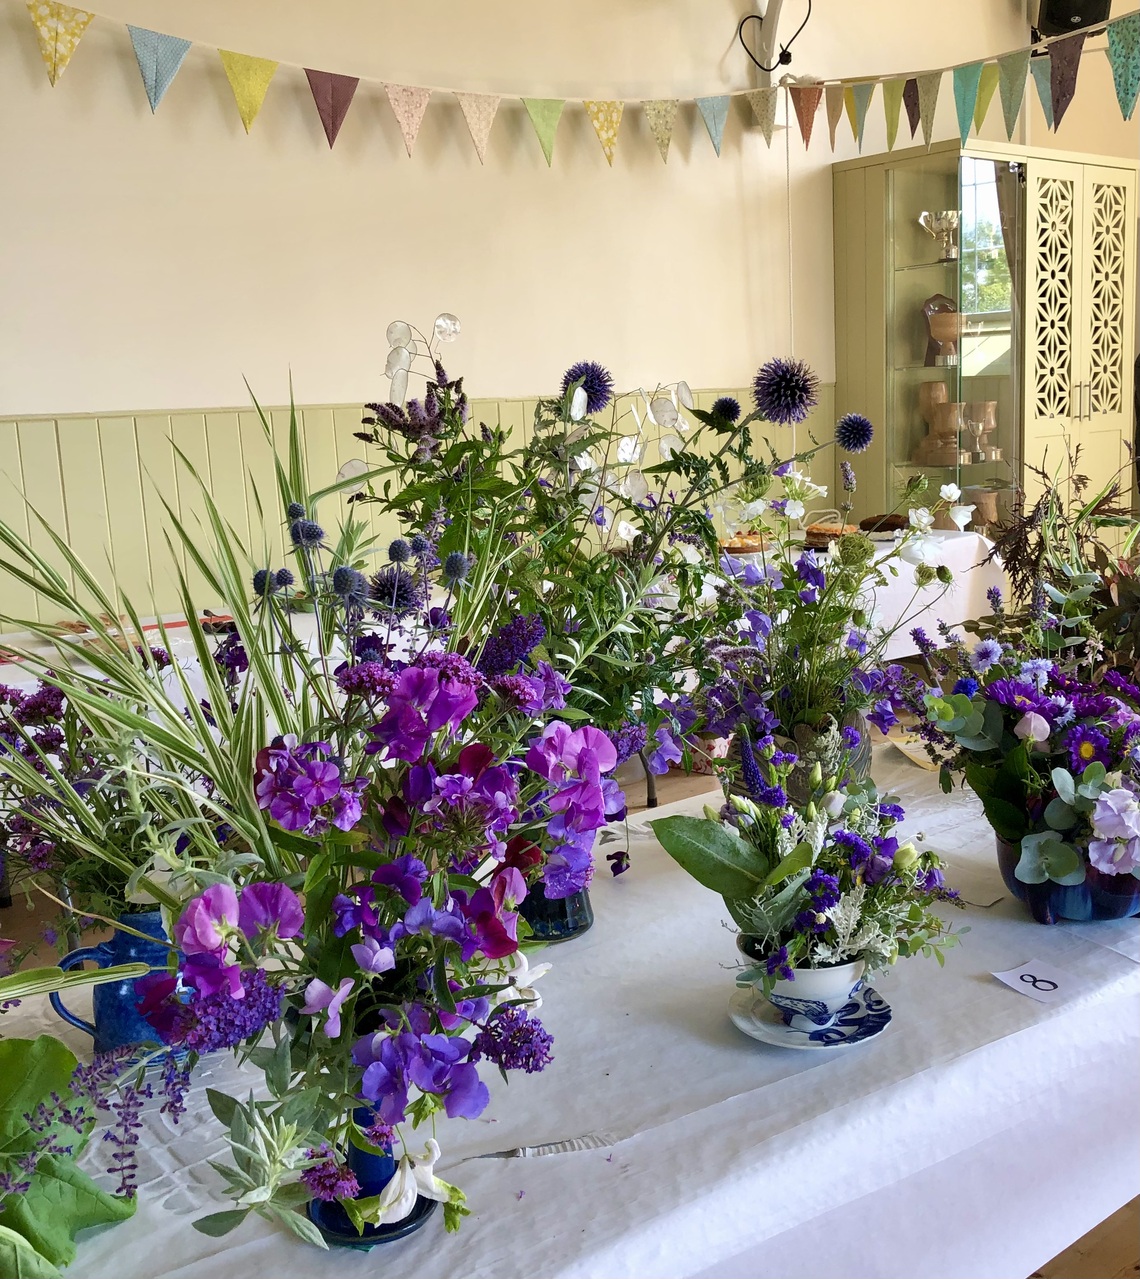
[
  {"x": 409, "y": 105},
  {"x": 987, "y": 86},
  {"x": 661, "y": 116},
  {"x": 249, "y": 79},
  {"x": 892, "y": 108},
  {"x": 834, "y": 96},
  {"x": 606, "y": 119},
  {"x": 59, "y": 28},
  {"x": 479, "y": 111},
  {"x": 763, "y": 103},
  {"x": 544, "y": 115},
  {"x": 849, "y": 107}
]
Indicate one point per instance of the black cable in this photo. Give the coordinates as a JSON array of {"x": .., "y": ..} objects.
[{"x": 785, "y": 57}]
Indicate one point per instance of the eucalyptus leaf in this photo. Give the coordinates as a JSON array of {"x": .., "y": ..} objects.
[{"x": 1060, "y": 815}]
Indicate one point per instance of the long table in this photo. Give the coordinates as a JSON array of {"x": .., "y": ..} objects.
[{"x": 979, "y": 1135}]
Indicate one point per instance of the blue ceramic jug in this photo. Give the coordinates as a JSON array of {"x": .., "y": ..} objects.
[{"x": 118, "y": 1021}]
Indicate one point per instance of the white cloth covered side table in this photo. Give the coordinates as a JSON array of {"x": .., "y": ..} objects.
[{"x": 978, "y": 1135}]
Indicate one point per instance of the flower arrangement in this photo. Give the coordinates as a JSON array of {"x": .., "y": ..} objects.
[
  {"x": 1052, "y": 752},
  {"x": 815, "y": 886},
  {"x": 354, "y": 800}
]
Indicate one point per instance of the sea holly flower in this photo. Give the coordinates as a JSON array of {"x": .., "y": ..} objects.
[{"x": 320, "y": 996}]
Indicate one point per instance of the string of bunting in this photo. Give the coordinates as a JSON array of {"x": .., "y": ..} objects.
[{"x": 1052, "y": 65}]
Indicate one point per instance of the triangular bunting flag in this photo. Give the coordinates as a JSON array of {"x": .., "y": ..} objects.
[
  {"x": 966, "y": 80},
  {"x": 479, "y": 111},
  {"x": 1012, "y": 70},
  {"x": 544, "y": 115},
  {"x": 408, "y": 106},
  {"x": 862, "y": 93},
  {"x": 159, "y": 58},
  {"x": 763, "y": 103},
  {"x": 333, "y": 95},
  {"x": 59, "y": 28},
  {"x": 661, "y": 116},
  {"x": 714, "y": 112},
  {"x": 928, "y": 86},
  {"x": 986, "y": 87},
  {"x": 834, "y": 95},
  {"x": 910, "y": 97},
  {"x": 249, "y": 79},
  {"x": 805, "y": 100},
  {"x": 606, "y": 119},
  {"x": 1065, "y": 55},
  {"x": 849, "y": 107},
  {"x": 892, "y": 105},
  {"x": 1040, "y": 68},
  {"x": 1124, "y": 55}
]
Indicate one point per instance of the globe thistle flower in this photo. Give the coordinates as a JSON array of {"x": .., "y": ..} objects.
[
  {"x": 785, "y": 391},
  {"x": 284, "y": 579},
  {"x": 419, "y": 545},
  {"x": 306, "y": 534},
  {"x": 399, "y": 552},
  {"x": 727, "y": 408},
  {"x": 295, "y": 511},
  {"x": 455, "y": 568},
  {"x": 854, "y": 433},
  {"x": 394, "y": 592},
  {"x": 596, "y": 382}
]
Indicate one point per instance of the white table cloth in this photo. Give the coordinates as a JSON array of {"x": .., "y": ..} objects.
[{"x": 978, "y": 1136}]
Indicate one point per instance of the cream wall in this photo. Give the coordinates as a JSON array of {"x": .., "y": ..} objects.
[{"x": 148, "y": 263}]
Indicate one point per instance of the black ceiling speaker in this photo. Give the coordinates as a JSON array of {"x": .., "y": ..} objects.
[{"x": 1059, "y": 17}]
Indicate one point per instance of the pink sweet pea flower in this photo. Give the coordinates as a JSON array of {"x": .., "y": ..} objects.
[
  {"x": 201, "y": 929},
  {"x": 264, "y": 906},
  {"x": 319, "y": 995},
  {"x": 1032, "y": 728}
]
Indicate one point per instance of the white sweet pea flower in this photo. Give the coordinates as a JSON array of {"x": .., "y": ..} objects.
[
  {"x": 950, "y": 492},
  {"x": 753, "y": 510},
  {"x": 415, "y": 1175},
  {"x": 1032, "y": 728},
  {"x": 625, "y": 531},
  {"x": 520, "y": 975},
  {"x": 961, "y": 515},
  {"x": 921, "y": 549},
  {"x": 921, "y": 519},
  {"x": 795, "y": 509}
]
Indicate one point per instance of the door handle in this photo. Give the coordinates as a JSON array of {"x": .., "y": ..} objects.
[{"x": 1088, "y": 410}]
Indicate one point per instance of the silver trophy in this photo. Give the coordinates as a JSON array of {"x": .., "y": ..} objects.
[{"x": 944, "y": 228}]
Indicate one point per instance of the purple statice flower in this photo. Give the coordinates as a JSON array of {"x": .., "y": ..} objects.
[
  {"x": 777, "y": 965},
  {"x": 596, "y": 381},
  {"x": 372, "y": 680},
  {"x": 847, "y": 472},
  {"x": 511, "y": 644},
  {"x": 988, "y": 653},
  {"x": 785, "y": 391},
  {"x": 823, "y": 889},
  {"x": 850, "y": 737},
  {"x": 772, "y": 797},
  {"x": 1086, "y": 745},
  {"x": 854, "y": 433},
  {"x": 328, "y": 1178},
  {"x": 859, "y": 852},
  {"x": 628, "y": 739},
  {"x": 891, "y": 812},
  {"x": 726, "y": 408},
  {"x": 811, "y": 921},
  {"x": 513, "y": 1040},
  {"x": 993, "y": 595},
  {"x": 395, "y": 592},
  {"x": 967, "y": 685}
]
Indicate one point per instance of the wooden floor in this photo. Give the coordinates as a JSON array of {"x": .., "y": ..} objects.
[{"x": 1111, "y": 1251}]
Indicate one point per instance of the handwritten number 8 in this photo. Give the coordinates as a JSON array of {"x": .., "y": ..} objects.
[{"x": 1038, "y": 983}]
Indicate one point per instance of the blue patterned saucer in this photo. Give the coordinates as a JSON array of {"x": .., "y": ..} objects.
[{"x": 863, "y": 1017}]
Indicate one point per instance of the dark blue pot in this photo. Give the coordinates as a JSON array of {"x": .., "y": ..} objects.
[
  {"x": 1101, "y": 896},
  {"x": 118, "y": 1022},
  {"x": 555, "y": 919}
]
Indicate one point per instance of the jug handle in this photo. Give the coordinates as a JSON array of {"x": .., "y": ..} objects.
[{"x": 98, "y": 955}]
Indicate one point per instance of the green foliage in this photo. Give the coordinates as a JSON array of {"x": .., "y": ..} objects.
[{"x": 714, "y": 855}]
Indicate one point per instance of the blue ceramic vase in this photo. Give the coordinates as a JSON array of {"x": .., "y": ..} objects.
[
  {"x": 1100, "y": 896},
  {"x": 118, "y": 1022}
]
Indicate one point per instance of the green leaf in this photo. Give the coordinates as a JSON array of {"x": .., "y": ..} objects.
[
  {"x": 1064, "y": 785},
  {"x": 798, "y": 859},
  {"x": 222, "y": 1106},
  {"x": 1059, "y": 815},
  {"x": 62, "y": 1201},
  {"x": 43, "y": 981},
  {"x": 715, "y": 857},
  {"x": 1007, "y": 819},
  {"x": 300, "y": 1225},
  {"x": 221, "y": 1223},
  {"x": 19, "y": 1260},
  {"x": 30, "y": 1071}
]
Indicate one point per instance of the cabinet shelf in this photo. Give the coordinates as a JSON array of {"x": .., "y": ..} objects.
[{"x": 925, "y": 266}]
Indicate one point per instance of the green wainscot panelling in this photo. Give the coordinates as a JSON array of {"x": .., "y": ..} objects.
[{"x": 108, "y": 483}]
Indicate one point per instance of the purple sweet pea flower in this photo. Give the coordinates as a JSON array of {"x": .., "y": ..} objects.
[
  {"x": 372, "y": 957},
  {"x": 424, "y": 918},
  {"x": 202, "y": 927},
  {"x": 264, "y": 906},
  {"x": 557, "y": 688},
  {"x": 406, "y": 876},
  {"x": 809, "y": 572},
  {"x": 668, "y": 751},
  {"x": 319, "y": 995},
  {"x": 208, "y": 975}
]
